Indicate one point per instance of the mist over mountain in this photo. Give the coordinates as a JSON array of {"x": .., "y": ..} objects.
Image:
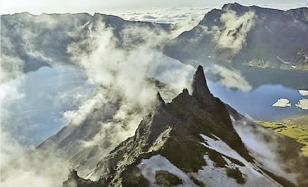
[
  {"x": 193, "y": 141},
  {"x": 249, "y": 41},
  {"x": 250, "y": 35},
  {"x": 29, "y": 42},
  {"x": 132, "y": 106},
  {"x": 260, "y": 43}
]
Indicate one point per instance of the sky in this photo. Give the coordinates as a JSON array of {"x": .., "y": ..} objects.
[{"x": 92, "y": 6}]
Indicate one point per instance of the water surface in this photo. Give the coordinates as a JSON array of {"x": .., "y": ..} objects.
[{"x": 258, "y": 103}]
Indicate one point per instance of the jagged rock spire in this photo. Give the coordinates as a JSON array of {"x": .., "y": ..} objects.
[
  {"x": 185, "y": 91},
  {"x": 200, "y": 89},
  {"x": 159, "y": 100}
]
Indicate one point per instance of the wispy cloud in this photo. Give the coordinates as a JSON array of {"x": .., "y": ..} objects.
[
  {"x": 126, "y": 72},
  {"x": 264, "y": 147},
  {"x": 122, "y": 72},
  {"x": 232, "y": 34},
  {"x": 230, "y": 78}
]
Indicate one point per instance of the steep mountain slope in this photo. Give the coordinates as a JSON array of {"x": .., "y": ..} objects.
[
  {"x": 296, "y": 131},
  {"x": 95, "y": 133},
  {"x": 247, "y": 35},
  {"x": 279, "y": 156},
  {"x": 261, "y": 45},
  {"x": 190, "y": 141}
]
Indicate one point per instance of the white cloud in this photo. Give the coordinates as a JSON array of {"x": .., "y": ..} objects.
[
  {"x": 11, "y": 67},
  {"x": 11, "y": 92},
  {"x": 230, "y": 78},
  {"x": 10, "y": 148},
  {"x": 183, "y": 19},
  {"x": 92, "y": 6},
  {"x": 27, "y": 31},
  {"x": 124, "y": 74},
  {"x": 126, "y": 70},
  {"x": 232, "y": 35},
  {"x": 264, "y": 147},
  {"x": 36, "y": 171},
  {"x": 76, "y": 117},
  {"x": 33, "y": 171}
]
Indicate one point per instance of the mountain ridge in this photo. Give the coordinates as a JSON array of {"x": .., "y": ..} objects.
[
  {"x": 175, "y": 131},
  {"x": 264, "y": 22},
  {"x": 263, "y": 45},
  {"x": 23, "y": 33}
]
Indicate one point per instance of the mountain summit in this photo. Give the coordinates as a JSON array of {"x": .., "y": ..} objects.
[
  {"x": 190, "y": 141},
  {"x": 200, "y": 89}
]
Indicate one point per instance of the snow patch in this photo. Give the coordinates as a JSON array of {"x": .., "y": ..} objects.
[
  {"x": 303, "y": 92},
  {"x": 282, "y": 103},
  {"x": 214, "y": 176},
  {"x": 303, "y": 104},
  {"x": 149, "y": 167},
  {"x": 221, "y": 147}
]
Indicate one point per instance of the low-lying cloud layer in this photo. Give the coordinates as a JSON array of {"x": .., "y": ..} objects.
[
  {"x": 37, "y": 171},
  {"x": 182, "y": 19},
  {"x": 264, "y": 148},
  {"x": 125, "y": 75}
]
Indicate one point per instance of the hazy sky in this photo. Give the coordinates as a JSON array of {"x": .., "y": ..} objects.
[{"x": 92, "y": 6}]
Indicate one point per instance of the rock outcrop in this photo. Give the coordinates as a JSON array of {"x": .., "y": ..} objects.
[{"x": 181, "y": 135}]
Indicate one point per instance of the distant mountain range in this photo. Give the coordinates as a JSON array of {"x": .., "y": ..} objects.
[
  {"x": 252, "y": 36},
  {"x": 29, "y": 42},
  {"x": 264, "y": 45},
  {"x": 194, "y": 140}
]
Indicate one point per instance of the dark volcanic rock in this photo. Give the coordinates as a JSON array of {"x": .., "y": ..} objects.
[
  {"x": 165, "y": 179},
  {"x": 299, "y": 13},
  {"x": 200, "y": 89},
  {"x": 173, "y": 131},
  {"x": 265, "y": 36}
]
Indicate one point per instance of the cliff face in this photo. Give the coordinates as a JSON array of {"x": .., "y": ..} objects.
[
  {"x": 33, "y": 41},
  {"x": 253, "y": 35},
  {"x": 177, "y": 143}
]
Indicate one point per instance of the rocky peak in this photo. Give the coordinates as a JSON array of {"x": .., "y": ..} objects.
[
  {"x": 174, "y": 131},
  {"x": 299, "y": 13},
  {"x": 185, "y": 91},
  {"x": 199, "y": 86},
  {"x": 159, "y": 100},
  {"x": 235, "y": 7}
]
